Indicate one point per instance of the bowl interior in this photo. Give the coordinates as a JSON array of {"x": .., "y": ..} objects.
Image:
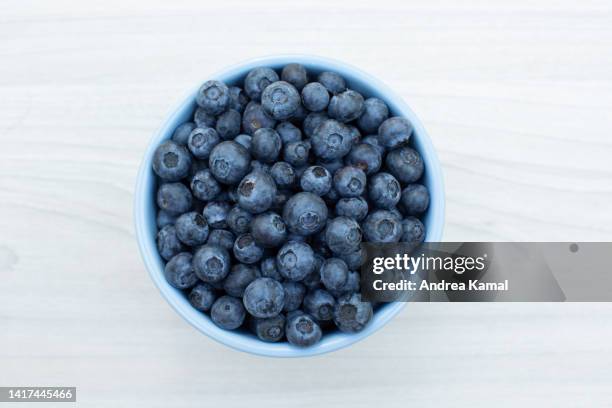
[{"x": 145, "y": 209}]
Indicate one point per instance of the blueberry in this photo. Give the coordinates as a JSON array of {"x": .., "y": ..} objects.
[
  {"x": 165, "y": 218},
  {"x": 201, "y": 141},
  {"x": 405, "y": 164},
  {"x": 316, "y": 180},
  {"x": 257, "y": 80},
  {"x": 283, "y": 174},
  {"x": 315, "y": 97},
  {"x": 394, "y": 132},
  {"x": 228, "y": 313},
  {"x": 215, "y": 213},
  {"x": 191, "y": 229},
  {"x": 366, "y": 157},
  {"x": 204, "y": 186},
  {"x": 295, "y": 74},
  {"x": 171, "y": 161},
  {"x": 264, "y": 297},
  {"x": 350, "y": 181},
  {"x": 222, "y": 238},
  {"x": 351, "y": 315},
  {"x": 168, "y": 243},
  {"x": 239, "y": 220},
  {"x": 181, "y": 133},
  {"x": 271, "y": 329},
  {"x": 354, "y": 260},
  {"x": 382, "y": 226},
  {"x": 320, "y": 304},
  {"x": 331, "y": 140},
  {"x": 229, "y": 162},
  {"x": 352, "y": 207},
  {"x": 174, "y": 197},
  {"x": 346, "y": 106},
  {"x": 228, "y": 124},
  {"x": 301, "y": 330},
  {"x": 255, "y": 117},
  {"x": 211, "y": 263},
  {"x": 203, "y": 120},
  {"x": 352, "y": 285},
  {"x": 384, "y": 190},
  {"x": 238, "y": 99},
  {"x": 179, "y": 271},
  {"x": 375, "y": 112},
  {"x": 280, "y": 100},
  {"x": 244, "y": 140},
  {"x": 269, "y": 269},
  {"x": 413, "y": 232},
  {"x": 266, "y": 145},
  {"x": 312, "y": 122},
  {"x": 333, "y": 82},
  {"x": 213, "y": 97},
  {"x": 239, "y": 278},
  {"x": 296, "y": 153},
  {"x": 256, "y": 192},
  {"x": 305, "y": 213},
  {"x": 202, "y": 297},
  {"x": 373, "y": 141},
  {"x": 334, "y": 273},
  {"x": 415, "y": 199},
  {"x": 269, "y": 230},
  {"x": 246, "y": 249},
  {"x": 294, "y": 294},
  {"x": 288, "y": 132},
  {"x": 295, "y": 260},
  {"x": 313, "y": 279},
  {"x": 343, "y": 235}
]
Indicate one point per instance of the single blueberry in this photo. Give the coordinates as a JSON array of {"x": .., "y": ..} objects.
[
  {"x": 168, "y": 243},
  {"x": 316, "y": 180},
  {"x": 295, "y": 74},
  {"x": 375, "y": 112},
  {"x": 283, "y": 174},
  {"x": 366, "y": 157},
  {"x": 334, "y": 273},
  {"x": 256, "y": 192},
  {"x": 346, "y": 106},
  {"x": 315, "y": 97},
  {"x": 301, "y": 330},
  {"x": 165, "y": 218},
  {"x": 343, "y": 235},
  {"x": 266, "y": 145},
  {"x": 384, "y": 190},
  {"x": 222, "y": 238},
  {"x": 239, "y": 220},
  {"x": 238, "y": 99},
  {"x": 394, "y": 132},
  {"x": 320, "y": 304},
  {"x": 179, "y": 271},
  {"x": 239, "y": 278},
  {"x": 381, "y": 226},
  {"x": 305, "y": 213},
  {"x": 280, "y": 100},
  {"x": 229, "y": 162},
  {"x": 171, "y": 161},
  {"x": 296, "y": 153},
  {"x": 228, "y": 313},
  {"x": 415, "y": 199},
  {"x": 269, "y": 230},
  {"x": 264, "y": 297},
  {"x": 312, "y": 122},
  {"x": 181, "y": 133},
  {"x": 174, "y": 197},
  {"x": 405, "y": 164},
  {"x": 295, "y": 260},
  {"x": 331, "y": 140},
  {"x": 333, "y": 82},
  {"x": 269, "y": 269},
  {"x": 269, "y": 330},
  {"x": 352, "y": 207},
  {"x": 215, "y": 213},
  {"x": 201, "y": 142},
  {"x": 191, "y": 229},
  {"x": 350, "y": 181},
  {"x": 294, "y": 295},
  {"x": 213, "y": 97},
  {"x": 246, "y": 249},
  {"x": 257, "y": 80},
  {"x": 203, "y": 120},
  {"x": 351, "y": 315},
  {"x": 211, "y": 263},
  {"x": 288, "y": 132},
  {"x": 228, "y": 124},
  {"x": 204, "y": 186},
  {"x": 202, "y": 297},
  {"x": 413, "y": 232},
  {"x": 255, "y": 117}
]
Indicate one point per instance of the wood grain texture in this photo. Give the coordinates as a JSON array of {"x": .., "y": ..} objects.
[{"x": 515, "y": 94}]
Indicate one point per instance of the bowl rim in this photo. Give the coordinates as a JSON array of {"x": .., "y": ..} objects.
[{"x": 148, "y": 248}]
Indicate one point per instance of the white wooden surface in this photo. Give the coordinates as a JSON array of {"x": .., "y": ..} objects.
[{"x": 516, "y": 95}]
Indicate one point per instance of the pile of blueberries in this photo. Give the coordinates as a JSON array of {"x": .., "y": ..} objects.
[{"x": 266, "y": 196}]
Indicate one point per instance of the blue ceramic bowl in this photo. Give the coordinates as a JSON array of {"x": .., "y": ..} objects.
[{"x": 145, "y": 210}]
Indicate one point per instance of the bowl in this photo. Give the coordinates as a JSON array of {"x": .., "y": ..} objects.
[{"x": 145, "y": 209}]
